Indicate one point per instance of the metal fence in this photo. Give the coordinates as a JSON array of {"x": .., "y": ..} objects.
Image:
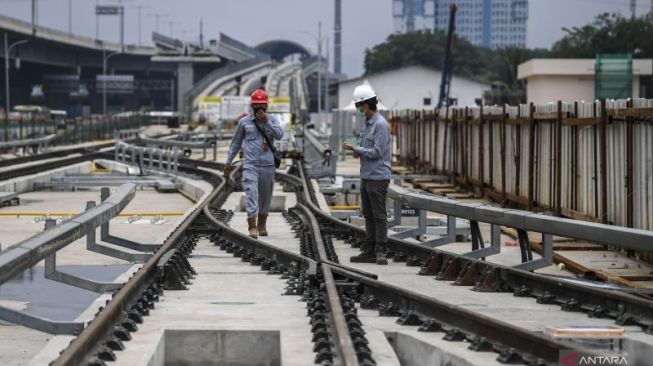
[
  {"x": 592, "y": 161},
  {"x": 71, "y": 130}
]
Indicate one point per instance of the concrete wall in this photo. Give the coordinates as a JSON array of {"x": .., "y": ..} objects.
[
  {"x": 407, "y": 87},
  {"x": 568, "y": 88}
]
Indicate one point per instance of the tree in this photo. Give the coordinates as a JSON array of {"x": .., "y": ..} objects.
[{"x": 608, "y": 33}]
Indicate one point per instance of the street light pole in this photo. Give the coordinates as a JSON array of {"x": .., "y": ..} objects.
[
  {"x": 319, "y": 39},
  {"x": 105, "y": 59},
  {"x": 319, "y": 67},
  {"x": 70, "y": 16},
  {"x": 8, "y": 48}
]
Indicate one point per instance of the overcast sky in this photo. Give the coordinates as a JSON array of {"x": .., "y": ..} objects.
[{"x": 365, "y": 22}]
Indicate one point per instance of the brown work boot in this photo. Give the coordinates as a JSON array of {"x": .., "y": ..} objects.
[
  {"x": 262, "y": 219},
  {"x": 251, "y": 227}
]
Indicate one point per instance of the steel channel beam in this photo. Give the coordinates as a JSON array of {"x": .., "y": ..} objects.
[
  {"x": 518, "y": 219},
  {"x": 31, "y": 251}
]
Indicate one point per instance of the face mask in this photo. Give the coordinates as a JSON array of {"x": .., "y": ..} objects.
[
  {"x": 359, "y": 112},
  {"x": 256, "y": 109}
]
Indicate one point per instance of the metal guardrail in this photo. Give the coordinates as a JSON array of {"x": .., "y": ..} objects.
[
  {"x": 522, "y": 221},
  {"x": 186, "y": 142},
  {"x": 127, "y": 134},
  {"x": 161, "y": 159},
  {"x": 41, "y": 143},
  {"x": 45, "y": 245}
]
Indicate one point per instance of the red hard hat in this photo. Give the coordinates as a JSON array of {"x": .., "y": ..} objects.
[{"x": 259, "y": 96}]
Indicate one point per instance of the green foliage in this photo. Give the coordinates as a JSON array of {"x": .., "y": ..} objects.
[
  {"x": 608, "y": 33},
  {"x": 427, "y": 48}
]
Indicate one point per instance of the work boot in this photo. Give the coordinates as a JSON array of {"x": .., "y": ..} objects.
[
  {"x": 251, "y": 227},
  {"x": 381, "y": 253},
  {"x": 364, "y": 257},
  {"x": 262, "y": 219},
  {"x": 367, "y": 253},
  {"x": 381, "y": 258}
]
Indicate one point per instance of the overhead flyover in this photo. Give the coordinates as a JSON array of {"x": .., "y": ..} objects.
[
  {"x": 279, "y": 49},
  {"x": 255, "y": 67}
]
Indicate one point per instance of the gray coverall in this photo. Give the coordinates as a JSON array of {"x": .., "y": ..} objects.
[
  {"x": 374, "y": 148},
  {"x": 258, "y": 164}
]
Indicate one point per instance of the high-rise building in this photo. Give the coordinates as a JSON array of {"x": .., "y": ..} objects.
[{"x": 488, "y": 23}]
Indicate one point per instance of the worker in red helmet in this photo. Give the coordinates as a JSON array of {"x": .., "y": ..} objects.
[{"x": 258, "y": 130}]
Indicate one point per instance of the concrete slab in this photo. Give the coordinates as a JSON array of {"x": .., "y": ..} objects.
[
  {"x": 217, "y": 301},
  {"x": 42, "y": 348},
  {"x": 522, "y": 312}
]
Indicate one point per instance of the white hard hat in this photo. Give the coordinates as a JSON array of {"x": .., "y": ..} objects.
[{"x": 363, "y": 92}]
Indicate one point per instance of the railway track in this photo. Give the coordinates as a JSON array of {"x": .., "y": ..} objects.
[{"x": 332, "y": 289}]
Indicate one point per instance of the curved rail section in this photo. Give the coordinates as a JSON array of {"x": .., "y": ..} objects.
[
  {"x": 624, "y": 308},
  {"x": 331, "y": 288}
]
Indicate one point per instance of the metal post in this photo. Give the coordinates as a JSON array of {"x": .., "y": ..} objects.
[
  {"x": 122, "y": 28},
  {"x": 6, "y": 87},
  {"x": 33, "y": 16},
  {"x": 139, "y": 24},
  {"x": 319, "y": 67},
  {"x": 104, "y": 83},
  {"x": 172, "y": 94},
  {"x": 8, "y": 48},
  {"x": 604, "y": 163},
  {"x": 326, "y": 84},
  {"x": 337, "y": 44},
  {"x": 70, "y": 16},
  {"x": 97, "y": 21},
  {"x": 558, "y": 161}
]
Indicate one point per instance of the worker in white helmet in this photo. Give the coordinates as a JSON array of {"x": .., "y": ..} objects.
[{"x": 373, "y": 150}]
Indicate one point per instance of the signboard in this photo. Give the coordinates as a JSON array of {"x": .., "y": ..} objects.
[
  {"x": 115, "y": 84},
  {"x": 209, "y": 109},
  {"x": 279, "y": 105},
  {"x": 234, "y": 107},
  {"x": 107, "y": 10},
  {"x": 408, "y": 211}
]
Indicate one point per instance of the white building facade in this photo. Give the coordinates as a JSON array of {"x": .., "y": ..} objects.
[
  {"x": 550, "y": 80},
  {"x": 412, "y": 87}
]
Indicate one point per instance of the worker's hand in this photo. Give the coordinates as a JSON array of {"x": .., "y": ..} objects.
[
  {"x": 347, "y": 146},
  {"x": 356, "y": 155},
  {"x": 227, "y": 169},
  {"x": 261, "y": 116}
]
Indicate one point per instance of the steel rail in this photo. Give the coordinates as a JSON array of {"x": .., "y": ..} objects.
[
  {"x": 344, "y": 344},
  {"x": 500, "y": 333},
  {"x": 52, "y": 154},
  {"x": 615, "y": 304}
]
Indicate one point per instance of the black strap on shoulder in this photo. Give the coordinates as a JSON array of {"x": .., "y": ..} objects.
[{"x": 267, "y": 140}]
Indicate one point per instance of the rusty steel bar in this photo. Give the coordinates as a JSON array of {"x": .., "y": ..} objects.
[
  {"x": 629, "y": 169},
  {"x": 604, "y": 163},
  {"x": 531, "y": 156},
  {"x": 503, "y": 151},
  {"x": 558, "y": 161}
]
